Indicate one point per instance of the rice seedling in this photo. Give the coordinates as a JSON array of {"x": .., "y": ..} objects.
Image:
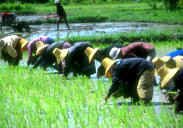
[{"x": 35, "y": 98}]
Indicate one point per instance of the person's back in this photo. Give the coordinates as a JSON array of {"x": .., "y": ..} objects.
[
  {"x": 139, "y": 49},
  {"x": 77, "y": 61},
  {"x": 130, "y": 68}
]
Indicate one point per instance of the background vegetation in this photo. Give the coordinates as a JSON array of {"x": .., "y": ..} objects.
[
  {"x": 101, "y": 12},
  {"x": 169, "y": 4}
]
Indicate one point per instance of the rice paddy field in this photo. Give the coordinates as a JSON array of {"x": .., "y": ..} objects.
[{"x": 33, "y": 98}]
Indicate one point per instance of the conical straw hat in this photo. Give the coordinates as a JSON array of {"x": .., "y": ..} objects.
[
  {"x": 159, "y": 61},
  {"x": 60, "y": 54},
  {"x": 179, "y": 61},
  {"x": 167, "y": 72},
  {"x": 39, "y": 44},
  {"x": 107, "y": 63},
  {"x": 90, "y": 52},
  {"x": 41, "y": 48},
  {"x": 23, "y": 42}
]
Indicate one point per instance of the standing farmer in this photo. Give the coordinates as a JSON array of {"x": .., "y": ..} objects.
[{"x": 61, "y": 14}]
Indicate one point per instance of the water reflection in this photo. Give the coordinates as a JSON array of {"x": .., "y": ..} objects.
[
  {"x": 90, "y": 29},
  {"x": 84, "y": 29}
]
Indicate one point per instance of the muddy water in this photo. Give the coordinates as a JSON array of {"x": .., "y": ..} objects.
[
  {"x": 91, "y": 29},
  {"x": 88, "y": 29},
  {"x": 82, "y": 29}
]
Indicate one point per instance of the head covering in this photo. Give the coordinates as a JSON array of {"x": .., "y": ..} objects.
[
  {"x": 167, "y": 72},
  {"x": 40, "y": 46},
  {"x": 49, "y": 40},
  {"x": 158, "y": 62},
  {"x": 66, "y": 45},
  {"x": 90, "y": 52},
  {"x": 23, "y": 43},
  {"x": 107, "y": 63},
  {"x": 60, "y": 54},
  {"x": 57, "y": 1},
  {"x": 179, "y": 61},
  {"x": 114, "y": 52}
]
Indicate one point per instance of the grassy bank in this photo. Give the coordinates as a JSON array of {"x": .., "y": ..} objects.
[{"x": 104, "y": 12}]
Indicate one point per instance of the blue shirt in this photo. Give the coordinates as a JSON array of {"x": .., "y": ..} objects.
[{"x": 175, "y": 53}]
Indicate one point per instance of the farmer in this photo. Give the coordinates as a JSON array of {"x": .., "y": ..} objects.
[
  {"x": 11, "y": 48},
  {"x": 75, "y": 59},
  {"x": 136, "y": 49},
  {"x": 45, "y": 56},
  {"x": 131, "y": 77},
  {"x": 33, "y": 45},
  {"x": 170, "y": 71},
  {"x": 61, "y": 14},
  {"x": 160, "y": 61}
]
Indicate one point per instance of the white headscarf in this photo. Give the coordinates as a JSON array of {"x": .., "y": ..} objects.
[
  {"x": 57, "y": 1},
  {"x": 9, "y": 43}
]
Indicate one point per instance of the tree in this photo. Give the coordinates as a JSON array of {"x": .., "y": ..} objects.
[{"x": 171, "y": 4}]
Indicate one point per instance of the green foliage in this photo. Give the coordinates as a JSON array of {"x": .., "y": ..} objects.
[
  {"x": 25, "y": 1},
  {"x": 171, "y": 4},
  {"x": 153, "y": 3},
  {"x": 146, "y": 35},
  {"x": 181, "y": 3},
  {"x": 16, "y": 7}
]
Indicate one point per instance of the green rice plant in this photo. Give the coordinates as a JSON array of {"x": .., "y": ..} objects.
[
  {"x": 128, "y": 37},
  {"x": 36, "y": 98}
]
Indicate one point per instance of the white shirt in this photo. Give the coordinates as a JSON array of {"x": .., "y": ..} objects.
[{"x": 8, "y": 44}]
